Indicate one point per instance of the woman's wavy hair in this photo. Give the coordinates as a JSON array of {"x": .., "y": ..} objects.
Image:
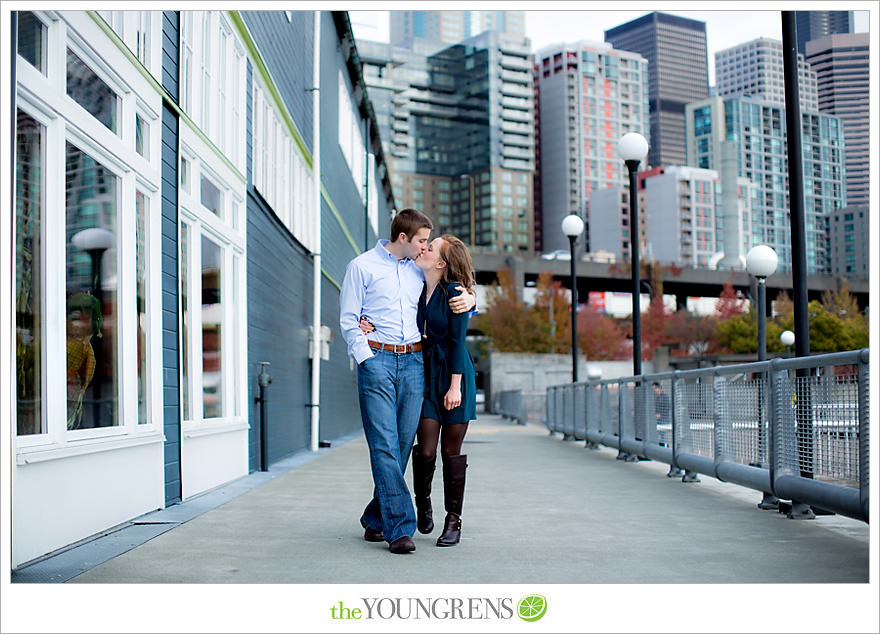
[{"x": 459, "y": 267}]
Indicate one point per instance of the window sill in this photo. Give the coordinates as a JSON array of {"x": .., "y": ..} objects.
[
  {"x": 32, "y": 455},
  {"x": 210, "y": 429}
]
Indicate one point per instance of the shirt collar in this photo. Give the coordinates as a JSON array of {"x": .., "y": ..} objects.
[{"x": 385, "y": 253}]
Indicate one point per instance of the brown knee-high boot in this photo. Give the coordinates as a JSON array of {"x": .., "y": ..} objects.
[
  {"x": 423, "y": 475},
  {"x": 453, "y": 492}
]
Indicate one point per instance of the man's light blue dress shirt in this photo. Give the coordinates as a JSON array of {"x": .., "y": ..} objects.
[{"x": 386, "y": 291}]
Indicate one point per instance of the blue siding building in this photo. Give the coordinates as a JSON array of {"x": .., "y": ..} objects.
[{"x": 193, "y": 201}]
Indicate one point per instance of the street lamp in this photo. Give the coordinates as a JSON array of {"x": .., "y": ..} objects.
[
  {"x": 471, "y": 198},
  {"x": 573, "y": 226},
  {"x": 95, "y": 241},
  {"x": 761, "y": 261},
  {"x": 787, "y": 339},
  {"x": 633, "y": 148}
]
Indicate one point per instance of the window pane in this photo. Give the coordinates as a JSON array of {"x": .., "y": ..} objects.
[
  {"x": 141, "y": 136},
  {"x": 90, "y": 91},
  {"x": 32, "y": 40},
  {"x": 184, "y": 174},
  {"x": 210, "y": 196},
  {"x": 184, "y": 322},
  {"x": 212, "y": 317},
  {"x": 29, "y": 165},
  {"x": 92, "y": 366},
  {"x": 140, "y": 239}
]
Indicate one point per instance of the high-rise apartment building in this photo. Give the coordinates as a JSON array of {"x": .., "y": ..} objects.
[
  {"x": 754, "y": 69},
  {"x": 759, "y": 128},
  {"x": 611, "y": 232},
  {"x": 811, "y": 25},
  {"x": 675, "y": 49},
  {"x": 456, "y": 124},
  {"x": 841, "y": 64},
  {"x": 685, "y": 220},
  {"x": 850, "y": 246},
  {"x": 452, "y": 27},
  {"x": 591, "y": 95}
]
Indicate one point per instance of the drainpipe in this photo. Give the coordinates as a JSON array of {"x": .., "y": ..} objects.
[{"x": 316, "y": 254}]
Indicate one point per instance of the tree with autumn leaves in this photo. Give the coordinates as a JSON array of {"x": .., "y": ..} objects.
[{"x": 836, "y": 323}]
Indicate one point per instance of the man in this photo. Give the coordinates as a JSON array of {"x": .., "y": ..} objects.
[
  {"x": 662, "y": 405},
  {"x": 384, "y": 285}
]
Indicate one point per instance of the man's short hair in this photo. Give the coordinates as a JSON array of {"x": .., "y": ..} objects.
[{"x": 408, "y": 222}]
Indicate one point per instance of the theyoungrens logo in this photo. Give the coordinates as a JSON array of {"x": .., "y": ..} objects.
[{"x": 530, "y": 608}]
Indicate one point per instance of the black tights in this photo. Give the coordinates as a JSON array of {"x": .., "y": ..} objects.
[{"x": 451, "y": 437}]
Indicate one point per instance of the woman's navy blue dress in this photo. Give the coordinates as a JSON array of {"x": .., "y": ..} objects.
[{"x": 445, "y": 354}]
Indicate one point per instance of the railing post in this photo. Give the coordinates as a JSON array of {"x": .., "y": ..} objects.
[
  {"x": 864, "y": 429},
  {"x": 674, "y": 470},
  {"x": 721, "y": 425},
  {"x": 625, "y": 412},
  {"x": 589, "y": 422},
  {"x": 683, "y": 430},
  {"x": 769, "y": 501}
]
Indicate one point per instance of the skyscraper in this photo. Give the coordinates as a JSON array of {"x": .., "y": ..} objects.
[
  {"x": 754, "y": 69},
  {"x": 811, "y": 25},
  {"x": 453, "y": 26},
  {"x": 678, "y": 72},
  {"x": 456, "y": 122},
  {"x": 591, "y": 94},
  {"x": 841, "y": 64},
  {"x": 759, "y": 129}
]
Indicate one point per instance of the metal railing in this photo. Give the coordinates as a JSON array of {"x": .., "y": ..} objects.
[
  {"x": 796, "y": 429},
  {"x": 509, "y": 404}
]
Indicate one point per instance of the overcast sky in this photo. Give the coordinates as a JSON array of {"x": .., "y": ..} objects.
[{"x": 724, "y": 28}]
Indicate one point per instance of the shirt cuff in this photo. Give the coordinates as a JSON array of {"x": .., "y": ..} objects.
[{"x": 362, "y": 353}]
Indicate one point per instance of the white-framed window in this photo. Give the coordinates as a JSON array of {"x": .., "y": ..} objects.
[
  {"x": 351, "y": 139},
  {"x": 211, "y": 267},
  {"x": 212, "y": 79},
  {"x": 142, "y": 33},
  {"x": 280, "y": 172},
  {"x": 87, "y": 241},
  {"x": 351, "y": 142}
]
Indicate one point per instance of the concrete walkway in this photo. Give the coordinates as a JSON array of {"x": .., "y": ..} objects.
[{"x": 537, "y": 510}]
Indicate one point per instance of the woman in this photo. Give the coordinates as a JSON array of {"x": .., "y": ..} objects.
[{"x": 450, "y": 390}]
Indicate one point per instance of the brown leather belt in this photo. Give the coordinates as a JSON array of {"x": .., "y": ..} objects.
[{"x": 403, "y": 348}]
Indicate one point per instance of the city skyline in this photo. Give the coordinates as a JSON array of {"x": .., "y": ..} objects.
[{"x": 545, "y": 28}]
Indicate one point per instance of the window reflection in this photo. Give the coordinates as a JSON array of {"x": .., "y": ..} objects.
[
  {"x": 90, "y": 91},
  {"x": 141, "y": 136},
  {"x": 29, "y": 165},
  {"x": 212, "y": 318},
  {"x": 142, "y": 325},
  {"x": 32, "y": 40},
  {"x": 184, "y": 322},
  {"x": 210, "y": 196},
  {"x": 91, "y": 282}
]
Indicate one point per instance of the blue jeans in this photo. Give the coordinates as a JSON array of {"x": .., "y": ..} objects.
[{"x": 390, "y": 389}]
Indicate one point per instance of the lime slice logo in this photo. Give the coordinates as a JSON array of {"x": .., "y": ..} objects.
[{"x": 532, "y": 608}]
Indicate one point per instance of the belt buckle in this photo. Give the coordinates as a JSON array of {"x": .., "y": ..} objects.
[{"x": 400, "y": 349}]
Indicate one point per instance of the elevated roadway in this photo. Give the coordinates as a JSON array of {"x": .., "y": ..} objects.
[{"x": 600, "y": 276}]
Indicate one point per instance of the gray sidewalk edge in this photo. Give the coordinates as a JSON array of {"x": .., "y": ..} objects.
[{"x": 66, "y": 563}]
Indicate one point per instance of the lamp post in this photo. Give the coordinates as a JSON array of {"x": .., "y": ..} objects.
[
  {"x": 471, "y": 198},
  {"x": 633, "y": 148},
  {"x": 95, "y": 241},
  {"x": 761, "y": 261},
  {"x": 573, "y": 226},
  {"x": 787, "y": 339}
]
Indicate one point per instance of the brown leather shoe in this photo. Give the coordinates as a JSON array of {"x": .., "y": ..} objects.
[
  {"x": 402, "y": 545},
  {"x": 373, "y": 535}
]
